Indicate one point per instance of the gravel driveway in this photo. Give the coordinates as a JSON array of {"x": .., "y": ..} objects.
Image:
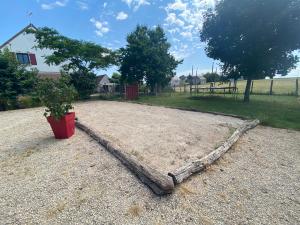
[{"x": 75, "y": 181}]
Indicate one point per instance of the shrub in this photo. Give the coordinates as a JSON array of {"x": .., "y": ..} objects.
[
  {"x": 57, "y": 96},
  {"x": 27, "y": 101},
  {"x": 15, "y": 80}
]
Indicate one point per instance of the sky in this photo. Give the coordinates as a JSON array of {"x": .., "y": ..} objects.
[{"x": 109, "y": 22}]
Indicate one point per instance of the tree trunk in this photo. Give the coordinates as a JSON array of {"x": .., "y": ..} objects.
[{"x": 247, "y": 90}]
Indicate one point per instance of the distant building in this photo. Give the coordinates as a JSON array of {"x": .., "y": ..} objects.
[
  {"x": 194, "y": 80},
  {"x": 104, "y": 85},
  {"x": 175, "y": 81},
  {"x": 22, "y": 45}
]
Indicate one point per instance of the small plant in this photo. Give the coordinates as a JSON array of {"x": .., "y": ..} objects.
[{"x": 57, "y": 96}]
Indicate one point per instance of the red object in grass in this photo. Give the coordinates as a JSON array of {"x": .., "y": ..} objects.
[
  {"x": 64, "y": 127},
  {"x": 132, "y": 91}
]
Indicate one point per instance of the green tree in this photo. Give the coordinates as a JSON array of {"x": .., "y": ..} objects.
[
  {"x": 80, "y": 58},
  {"x": 15, "y": 80},
  {"x": 253, "y": 38},
  {"x": 115, "y": 78},
  {"x": 212, "y": 77},
  {"x": 146, "y": 57},
  {"x": 85, "y": 83}
]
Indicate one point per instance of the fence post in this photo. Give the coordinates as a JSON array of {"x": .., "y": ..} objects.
[
  {"x": 190, "y": 89},
  {"x": 271, "y": 87},
  {"x": 297, "y": 87},
  {"x": 184, "y": 88},
  {"x": 251, "y": 91}
]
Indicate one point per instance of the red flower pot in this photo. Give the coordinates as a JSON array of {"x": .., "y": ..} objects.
[{"x": 64, "y": 127}]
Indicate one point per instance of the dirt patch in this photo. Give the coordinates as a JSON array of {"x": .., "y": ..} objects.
[{"x": 163, "y": 138}]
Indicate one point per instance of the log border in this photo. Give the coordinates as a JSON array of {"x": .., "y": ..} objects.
[
  {"x": 191, "y": 110},
  {"x": 184, "y": 172},
  {"x": 160, "y": 184}
]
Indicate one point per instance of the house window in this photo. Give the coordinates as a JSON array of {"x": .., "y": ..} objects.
[{"x": 23, "y": 58}]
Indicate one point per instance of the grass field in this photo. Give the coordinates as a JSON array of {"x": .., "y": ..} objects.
[
  {"x": 275, "y": 111},
  {"x": 286, "y": 86}
]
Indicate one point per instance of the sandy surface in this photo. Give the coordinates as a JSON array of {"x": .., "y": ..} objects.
[
  {"x": 75, "y": 181},
  {"x": 163, "y": 138}
]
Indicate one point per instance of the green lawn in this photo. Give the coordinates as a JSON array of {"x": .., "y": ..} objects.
[{"x": 275, "y": 111}]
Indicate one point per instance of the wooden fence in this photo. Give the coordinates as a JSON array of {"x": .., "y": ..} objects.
[{"x": 281, "y": 86}]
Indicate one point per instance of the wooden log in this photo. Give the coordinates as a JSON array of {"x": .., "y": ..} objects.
[
  {"x": 159, "y": 183},
  {"x": 186, "y": 171}
]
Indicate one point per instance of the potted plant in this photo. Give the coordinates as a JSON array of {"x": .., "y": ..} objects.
[{"x": 57, "y": 95}]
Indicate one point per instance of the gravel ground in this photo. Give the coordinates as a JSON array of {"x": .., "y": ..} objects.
[
  {"x": 163, "y": 138},
  {"x": 75, "y": 181}
]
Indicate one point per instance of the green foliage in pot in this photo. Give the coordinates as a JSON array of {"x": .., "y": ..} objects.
[{"x": 57, "y": 96}]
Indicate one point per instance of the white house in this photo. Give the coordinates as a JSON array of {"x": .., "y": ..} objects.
[
  {"x": 104, "y": 84},
  {"x": 22, "y": 44},
  {"x": 175, "y": 81}
]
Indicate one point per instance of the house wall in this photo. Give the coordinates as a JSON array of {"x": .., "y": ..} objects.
[
  {"x": 24, "y": 43},
  {"x": 104, "y": 81}
]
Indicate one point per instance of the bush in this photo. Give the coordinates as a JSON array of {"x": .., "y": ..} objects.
[
  {"x": 85, "y": 83},
  {"x": 57, "y": 96},
  {"x": 15, "y": 80},
  {"x": 27, "y": 101}
]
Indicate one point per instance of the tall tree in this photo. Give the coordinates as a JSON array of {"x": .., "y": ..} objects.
[
  {"x": 146, "y": 57},
  {"x": 80, "y": 58},
  {"x": 253, "y": 38},
  {"x": 211, "y": 77}
]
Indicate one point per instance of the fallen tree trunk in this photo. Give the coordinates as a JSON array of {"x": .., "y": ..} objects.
[
  {"x": 159, "y": 183},
  {"x": 184, "y": 172}
]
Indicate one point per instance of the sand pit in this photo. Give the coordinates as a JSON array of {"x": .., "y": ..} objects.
[{"x": 164, "y": 139}]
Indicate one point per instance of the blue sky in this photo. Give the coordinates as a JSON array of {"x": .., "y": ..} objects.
[{"x": 108, "y": 23}]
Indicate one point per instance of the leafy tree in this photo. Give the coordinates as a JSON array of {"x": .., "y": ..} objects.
[
  {"x": 147, "y": 58},
  {"x": 85, "y": 83},
  {"x": 15, "y": 80},
  {"x": 115, "y": 78},
  {"x": 253, "y": 38},
  {"x": 80, "y": 58},
  {"x": 212, "y": 77}
]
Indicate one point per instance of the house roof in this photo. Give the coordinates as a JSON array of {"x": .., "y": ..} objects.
[
  {"x": 100, "y": 77},
  {"x": 17, "y": 34}
]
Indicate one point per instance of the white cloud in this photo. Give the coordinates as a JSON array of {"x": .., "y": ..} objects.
[
  {"x": 172, "y": 19},
  {"x": 82, "y": 5},
  {"x": 55, "y": 4},
  {"x": 122, "y": 16},
  {"x": 186, "y": 34},
  {"x": 104, "y": 5},
  {"x": 101, "y": 27},
  {"x": 136, "y": 4},
  {"x": 177, "y": 5},
  {"x": 183, "y": 21}
]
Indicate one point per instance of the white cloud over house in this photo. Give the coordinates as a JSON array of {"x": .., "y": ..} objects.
[{"x": 122, "y": 16}]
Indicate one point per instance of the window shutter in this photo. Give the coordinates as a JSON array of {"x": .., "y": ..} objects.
[{"x": 32, "y": 59}]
